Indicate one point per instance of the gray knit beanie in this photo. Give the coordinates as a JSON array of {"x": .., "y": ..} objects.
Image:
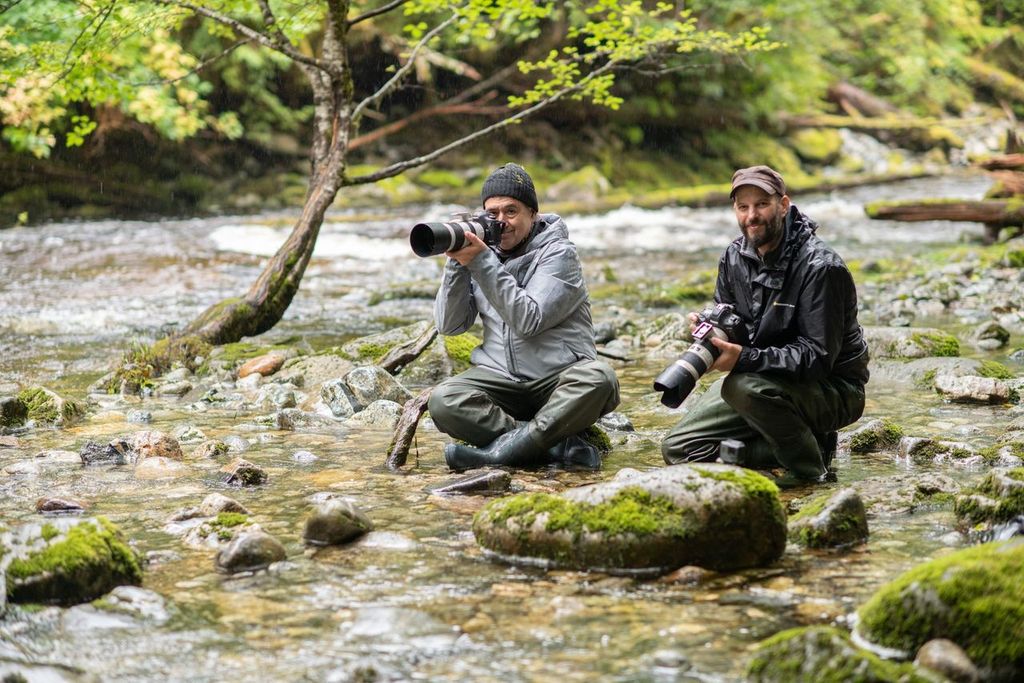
[{"x": 511, "y": 180}]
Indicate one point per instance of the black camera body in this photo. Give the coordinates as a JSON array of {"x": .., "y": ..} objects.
[
  {"x": 678, "y": 380},
  {"x": 431, "y": 239}
]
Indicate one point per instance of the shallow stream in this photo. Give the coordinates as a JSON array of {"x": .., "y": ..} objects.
[{"x": 416, "y": 599}]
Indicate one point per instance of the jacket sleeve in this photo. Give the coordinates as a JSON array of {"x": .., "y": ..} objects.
[
  {"x": 553, "y": 292},
  {"x": 454, "y": 307},
  {"x": 819, "y": 330}
]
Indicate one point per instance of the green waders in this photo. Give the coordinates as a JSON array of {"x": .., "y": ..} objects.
[{"x": 781, "y": 422}]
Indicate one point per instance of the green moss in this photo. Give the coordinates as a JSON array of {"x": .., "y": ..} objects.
[
  {"x": 460, "y": 346},
  {"x": 439, "y": 178},
  {"x": 700, "y": 287},
  {"x": 937, "y": 343},
  {"x": 141, "y": 363},
  {"x": 812, "y": 507},
  {"x": 373, "y": 351},
  {"x": 994, "y": 370},
  {"x": 819, "y": 145},
  {"x": 48, "y": 531},
  {"x": 1015, "y": 258},
  {"x": 757, "y": 486},
  {"x": 865, "y": 441},
  {"x": 45, "y": 407},
  {"x": 927, "y": 380},
  {"x": 86, "y": 551},
  {"x": 1003, "y": 503},
  {"x": 230, "y": 519},
  {"x": 597, "y": 437},
  {"x": 974, "y": 597}
]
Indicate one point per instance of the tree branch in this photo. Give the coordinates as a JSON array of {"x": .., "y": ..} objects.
[
  {"x": 393, "y": 82},
  {"x": 383, "y": 9},
  {"x": 443, "y": 109}
]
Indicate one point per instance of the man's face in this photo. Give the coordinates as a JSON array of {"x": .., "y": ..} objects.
[
  {"x": 518, "y": 219},
  {"x": 761, "y": 216}
]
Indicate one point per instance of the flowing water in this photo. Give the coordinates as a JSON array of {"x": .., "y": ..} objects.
[{"x": 416, "y": 599}]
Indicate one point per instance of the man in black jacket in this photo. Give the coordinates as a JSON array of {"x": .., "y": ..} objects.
[{"x": 802, "y": 375}]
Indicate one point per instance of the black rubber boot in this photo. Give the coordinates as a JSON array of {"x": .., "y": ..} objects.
[
  {"x": 575, "y": 453},
  {"x": 515, "y": 448}
]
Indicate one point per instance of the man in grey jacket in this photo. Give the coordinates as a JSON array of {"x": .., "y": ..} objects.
[{"x": 536, "y": 381}]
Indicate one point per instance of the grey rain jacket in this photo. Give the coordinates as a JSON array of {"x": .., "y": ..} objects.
[
  {"x": 800, "y": 310},
  {"x": 534, "y": 307}
]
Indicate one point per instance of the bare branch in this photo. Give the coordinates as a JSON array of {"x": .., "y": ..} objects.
[
  {"x": 383, "y": 9},
  {"x": 393, "y": 82},
  {"x": 460, "y": 68},
  {"x": 267, "y": 41},
  {"x": 402, "y": 166},
  {"x": 445, "y": 109}
]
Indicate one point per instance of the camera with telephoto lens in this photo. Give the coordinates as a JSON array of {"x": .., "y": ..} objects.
[
  {"x": 431, "y": 239},
  {"x": 678, "y": 380}
]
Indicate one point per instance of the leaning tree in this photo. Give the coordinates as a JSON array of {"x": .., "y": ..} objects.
[{"x": 59, "y": 54}]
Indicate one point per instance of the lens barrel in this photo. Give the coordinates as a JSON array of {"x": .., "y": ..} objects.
[
  {"x": 678, "y": 380},
  {"x": 431, "y": 239}
]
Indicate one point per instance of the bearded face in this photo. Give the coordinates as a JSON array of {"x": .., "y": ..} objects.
[{"x": 761, "y": 217}]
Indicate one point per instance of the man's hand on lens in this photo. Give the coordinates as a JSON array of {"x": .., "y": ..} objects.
[
  {"x": 474, "y": 245},
  {"x": 729, "y": 354}
]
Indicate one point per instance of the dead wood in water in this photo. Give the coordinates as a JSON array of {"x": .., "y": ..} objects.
[
  {"x": 994, "y": 213},
  {"x": 398, "y": 451},
  {"x": 1003, "y": 162},
  {"x": 400, "y": 356},
  {"x": 1008, "y": 184}
]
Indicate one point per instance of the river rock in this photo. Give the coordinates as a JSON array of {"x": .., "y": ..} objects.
[
  {"x": 616, "y": 422},
  {"x": 159, "y": 468},
  {"x": 875, "y": 435},
  {"x": 189, "y": 434},
  {"x": 212, "y": 448},
  {"x": 241, "y": 472},
  {"x": 138, "y": 416},
  {"x": 947, "y": 659},
  {"x": 178, "y": 389},
  {"x": 973, "y": 597},
  {"x": 335, "y": 522},
  {"x": 215, "y": 532},
  {"x": 276, "y": 397},
  {"x": 13, "y": 411},
  {"x": 49, "y": 408},
  {"x": 485, "y": 481},
  {"x": 66, "y": 561},
  {"x": 59, "y": 506},
  {"x": 338, "y": 399},
  {"x": 294, "y": 419},
  {"x": 998, "y": 498},
  {"x": 831, "y": 520},
  {"x": 382, "y": 414},
  {"x": 369, "y": 383},
  {"x": 821, "y": 653},
  {"x": 264, "y": 365},
  {"x": 909, "y": 342},
  {"x": 215, "y": 503},
  {"x": 990, "y": 336},
  {"x": 917, "y": 449},
  {"x": 129, "y": 450},
  {"x": 250, "y": 551},
  {"x": 711, "y": 515},
  {"x": 903, "y": 494},
  {"x": 309, "y": 372},
  {"x": 972, "y": 389}
]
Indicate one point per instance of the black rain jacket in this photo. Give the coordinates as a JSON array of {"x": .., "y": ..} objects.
[{"x": 799, "y": 306}]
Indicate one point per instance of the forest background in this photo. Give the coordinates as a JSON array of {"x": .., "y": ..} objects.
[{"x": 191, "y": 117}]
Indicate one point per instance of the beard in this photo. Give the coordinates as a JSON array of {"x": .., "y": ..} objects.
[{"x": 772, "y": 230}]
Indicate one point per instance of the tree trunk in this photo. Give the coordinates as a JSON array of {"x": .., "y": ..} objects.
[
  {"x": 398, "y": 452},
  {"x": 1002, "y": 83},
  {"x": 994, "y": 213},
  {"x": 852, "y": 99},
  {"x": 918, "y": 134}
]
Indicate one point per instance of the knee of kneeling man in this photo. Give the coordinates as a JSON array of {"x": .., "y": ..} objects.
[{"x": 738, "y": 386}]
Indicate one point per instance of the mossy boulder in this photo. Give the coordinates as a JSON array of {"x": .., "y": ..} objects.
[
  {"x": 714, "y": 516},
  {"x": 831, "y": 520},
  {"x": 66, "y": 561},
  {"x": 335, "y": 522},
  {"x": 46, "y": 407},
  {"x": 875, "y": 435},
  {"x": 13, "y": 411},
  {"x": 821, "y": 654},
  {"x": 817, "y": 145},
  {"x": 998, "y": 498},
  {"x": 968, "y": 389},
  {"x": 919, "y": 450},
  {"x": 973, "y": 597},
  {"x": 910, "y": 342}
]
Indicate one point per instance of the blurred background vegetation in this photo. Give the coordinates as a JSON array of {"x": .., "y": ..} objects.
[{"x": 205, "y": 122}]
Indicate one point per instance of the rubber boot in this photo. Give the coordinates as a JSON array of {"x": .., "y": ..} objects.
[
  {"x": 575, "y": 452},
  {"x": 515, "y": 448},
  {"x": 828, "y": 442}
]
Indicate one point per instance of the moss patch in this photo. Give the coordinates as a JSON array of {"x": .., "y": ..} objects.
[
  {"x": 598, "y": 438},
  {"x": 887, "y": 435},
  {"x": 460, "y": 346},
  {"x": 937, "y": 343},
  {"x": 994, "y": 370},
  {"x": 141, "y": 363},
  {"x": 45, "y": 407},
  {"x": 992, "y": 501},
  {"x": 974, "y": 597}
]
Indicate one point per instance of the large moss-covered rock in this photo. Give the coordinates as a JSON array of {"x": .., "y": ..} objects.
[
  {"x": 49, "y": 408},
  {"x": 910, "y": 342},
  {"x": 831, "y": 520},
  {"x": 874, "y": 435},
  {"x": 823, "y": 655},
  {"x": 998, "y": 498},
  {"x": 66, "y": 561},
  {"x": 973, "y": 597},
  {"x": 714, "y": 516},
  {"x": 13, "y": 411}
]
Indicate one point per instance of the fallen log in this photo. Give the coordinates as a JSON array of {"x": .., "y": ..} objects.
[
  {"x": 918, "y": 134},
  {"x": 1002, "y": 83},
  {"x": 1008, "y": 184},
  {"x": 1003, "y": 162},
  {"x": 852, "y": 99},
  {"x": 405, "y": 431},
  {"x": 995, "y": 214},
  {"x": 400, "y": 356}
]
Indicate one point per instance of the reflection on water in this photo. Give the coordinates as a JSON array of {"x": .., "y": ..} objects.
[{"x": 417, "y": 600}]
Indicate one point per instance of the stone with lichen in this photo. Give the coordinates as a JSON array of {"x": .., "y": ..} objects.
[{"x": 831, "y": 520}]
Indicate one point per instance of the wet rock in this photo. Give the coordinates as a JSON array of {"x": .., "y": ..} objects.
[
  {"x": 13, "y": 411},
  {"x": 66, "y": 561},
  {"x": 830, "y": 521},
  {"x": 46, "y": 407},
  {"x": 94, "y": 453},
  {"x": 909, "y": 342},
  {"x": 671, "y": 659},
  {"x": 213, "y": 448},
  {"x": 485, "y": 481},
  {"x": 304, "y": 457},
  {"x": 59, "y": 506},
  {"x": 264, "y": 365},
  {"x": 312, "y": 371},
  {"x": 189, "y": 434},
  {"x": 139, "y": 416},
  {"x": 249, "y": 552},
  {"x": 159, "y": 468},
  {"x": 131, "y": 449},
  {"x": 604, "y": 332},
  {"x": 875, "y": 435},
  {"x": 370, "y": 383},
  {"x": 998, "y": 498},
  {"x": 616, "y": 422},
  {"x": 368, "y": 671},
  {"x": 990, "y": 336},
  {"x": 236, "y": 444},
  {"x": 973, "y": 597},
  {"x": 643, "y": 523},
  {"x": 903, "y": 494},
  {"x": 138, "y": 602},
  {"x": 335, "y": 522},
  {"x": 295, "y": 420},
  {"x": 276, "y": 397},
  {"x": 337, "y": 398},
  {"x": 819, "y": 653},
  {"x": 945, "y": 658},
  {"x": 382, "y": 414},
  {"x": 215, "y": 503},
  {"x": 241, "y": 472},
  {"x": 215, "y": 532},
  {"x": 972, "y": 389},
  {"x": 178, "y": 389},
  {"x": 919, "y": 450}
]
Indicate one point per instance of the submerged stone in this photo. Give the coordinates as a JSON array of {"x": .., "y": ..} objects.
[
  {"x": 67, "y": 561},
  {"x": 714, "y": 516},
  {"x": 241, "y": 472},
  {"x": 250, "y": 551},
  {"x": 484, "y": 481},
  {"x": 973, "y": 597},
  {"x": 831, "y": 520},
  {"x": 335, "y": 522}
]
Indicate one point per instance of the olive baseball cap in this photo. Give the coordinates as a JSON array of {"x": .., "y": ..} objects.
[{"x": 759, "y": 176}]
